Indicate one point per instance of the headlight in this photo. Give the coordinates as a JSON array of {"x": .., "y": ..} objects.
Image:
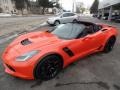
[{"x": 27, "y": 56}]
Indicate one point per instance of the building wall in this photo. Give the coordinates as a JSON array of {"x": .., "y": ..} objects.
[
  {"x": 106, "y": 3},
  {"x": 108, "y": 8}
]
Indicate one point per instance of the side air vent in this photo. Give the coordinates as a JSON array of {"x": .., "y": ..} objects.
[
  {"x": 25, "y": 42},
  {"x": 68, "y": 51}
]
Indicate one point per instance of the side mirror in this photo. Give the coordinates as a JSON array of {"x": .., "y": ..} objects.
[
  {"x": 103, "y": 30},
  {"x": 61, "y": 16}
]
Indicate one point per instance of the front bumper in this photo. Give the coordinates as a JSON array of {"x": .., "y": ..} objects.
[
  {"x": 50, "y": 21},
  {"x": 24, "y": 72}
]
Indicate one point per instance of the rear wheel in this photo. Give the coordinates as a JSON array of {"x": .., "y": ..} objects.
[
  {"x": 109, "y": 45},
  {"x": 48, "y": 67}
]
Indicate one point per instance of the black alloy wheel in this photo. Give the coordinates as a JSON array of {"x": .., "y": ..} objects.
[{"x": 48, "y": 67}]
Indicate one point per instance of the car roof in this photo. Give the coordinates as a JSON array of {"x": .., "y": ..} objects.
[{"x": 67, "y": 12}]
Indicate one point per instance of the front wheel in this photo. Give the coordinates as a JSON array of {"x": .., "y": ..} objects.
[
  {"x": 109, "y": 45},
  {"x": 48, "y": 67},
  {"x": 57, "y": 23},
  {"x": 74, "y": 21}
]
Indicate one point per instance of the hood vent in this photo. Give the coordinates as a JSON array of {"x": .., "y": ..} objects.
[{"x": 25, "y": 42}]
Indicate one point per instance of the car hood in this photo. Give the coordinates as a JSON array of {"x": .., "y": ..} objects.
[{"x": 32, "y": 41}]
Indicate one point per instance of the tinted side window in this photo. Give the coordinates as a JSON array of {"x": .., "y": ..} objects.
[
  {"x": 86, "y": 31},
  {"x": 65, "y": 15},
  {"x": 97, "y": 28},
  {"x": 71, "y": 14}
]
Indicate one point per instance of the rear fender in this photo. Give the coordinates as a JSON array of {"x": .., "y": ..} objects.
[{"x": 109, "y": 33}]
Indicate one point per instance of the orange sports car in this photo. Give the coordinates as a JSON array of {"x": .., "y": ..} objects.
[{"x": 42, "y": 55}]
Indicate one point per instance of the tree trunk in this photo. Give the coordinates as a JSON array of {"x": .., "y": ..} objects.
[
  {"x": 1, "y": 10},
  {"x": 22, "y": 11},
  {"x": 43, "y": 10},
  {"x": 28, "y": 9}
]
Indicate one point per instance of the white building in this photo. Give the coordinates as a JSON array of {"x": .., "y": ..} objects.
[
  {"x": 109, "y": 7},
  {"x": 7, "y": 6}
]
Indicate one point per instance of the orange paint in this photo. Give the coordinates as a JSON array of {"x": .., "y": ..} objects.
[{"x": 47, "y": 44}]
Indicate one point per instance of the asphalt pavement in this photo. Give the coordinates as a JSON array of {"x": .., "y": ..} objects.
[
  {"x": 95, "y": 72},
  {"x": 12, "y": 24}
]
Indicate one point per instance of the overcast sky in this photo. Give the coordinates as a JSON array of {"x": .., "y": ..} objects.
[{"x": 67, "y": 4}]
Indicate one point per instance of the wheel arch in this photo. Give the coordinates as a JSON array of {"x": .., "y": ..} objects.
[
  {"x": 57, "y": 20},
  {"x": 108, "y": 37},
  {"x": 111, "y": 36},
  {"x": 56, "y": 54},
  {"x": 106, "y": 48},
  {"x": 44, "y": 56},
  {"x": 74, "y": 19}
]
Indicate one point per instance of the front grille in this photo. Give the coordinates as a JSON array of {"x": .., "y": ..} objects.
[{"x": 12, "y": 69}]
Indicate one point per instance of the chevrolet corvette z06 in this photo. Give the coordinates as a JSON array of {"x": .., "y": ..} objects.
[{"x": 42, "y": 55}]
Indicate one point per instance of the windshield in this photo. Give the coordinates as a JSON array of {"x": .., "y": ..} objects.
[{"x": 68, "y": 31}]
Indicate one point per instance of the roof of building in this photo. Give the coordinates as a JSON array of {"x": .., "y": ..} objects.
[{"x": 107, "y": 3}]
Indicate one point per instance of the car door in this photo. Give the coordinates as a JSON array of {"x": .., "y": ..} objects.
[
  {"x": 82, "y": 46},
  {"x": 94, "y": 39},
  {"x": 64, "y": 18},
  {"x": 86, "y": 44},
  {"x": 71, "y": 17}
]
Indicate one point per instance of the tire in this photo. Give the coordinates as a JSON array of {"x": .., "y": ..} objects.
[
  {"x": 74, "y": 21},
  {"x": 110, "y": 44},
  {"x": 56, "y": 23},
  {"x": 48, "y": 67}
]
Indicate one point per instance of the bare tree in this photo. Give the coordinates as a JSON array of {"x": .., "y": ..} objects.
[
  {"x": 45, "y": 4},
  {"x": 94, "y": 7},
  {"x": 21, "y": 4}
]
